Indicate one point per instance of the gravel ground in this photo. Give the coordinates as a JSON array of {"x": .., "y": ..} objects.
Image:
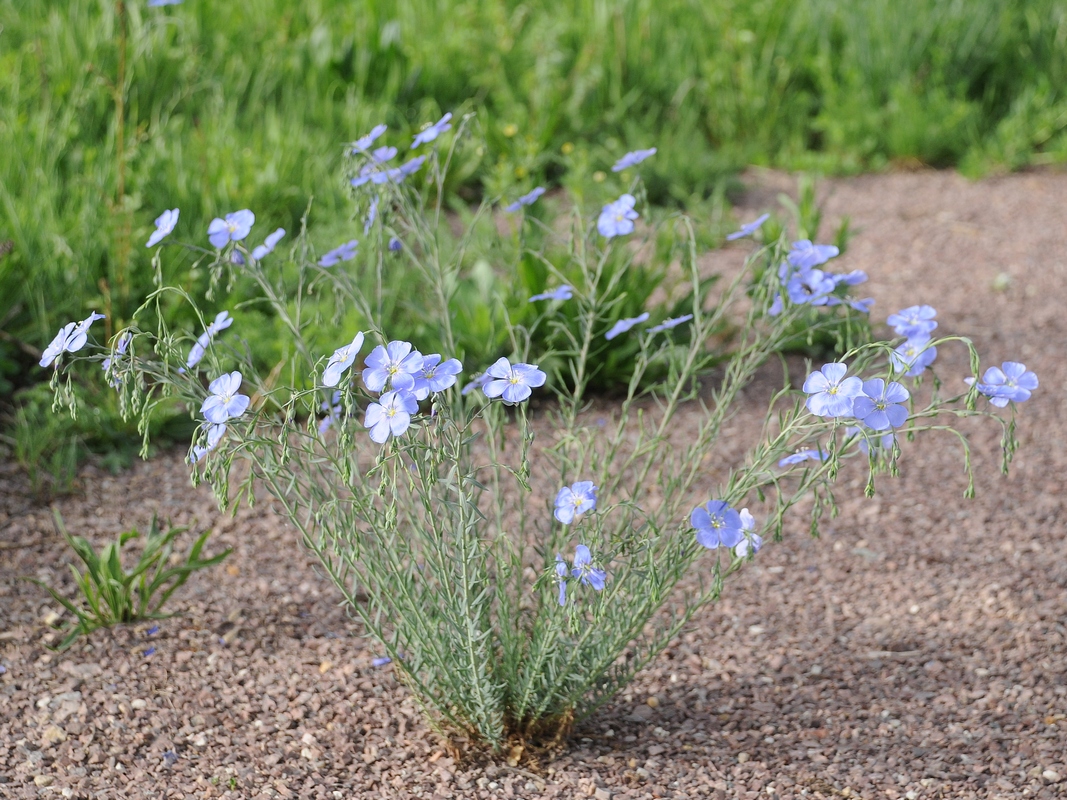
[{"x": 917, "y": 650}]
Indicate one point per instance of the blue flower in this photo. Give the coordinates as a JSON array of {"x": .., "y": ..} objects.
[
  {"x": 749, "y": 228},
  {"x": 332, "y": 407},
  {"x": 512, "y": 383},
  {"x": 381, "y": 661},
  {"x": 805, "y": 255},
  {"x": 914, "y": 321},
  {"x": 632, "y": 159},
  {"x": 149, "y": 652},
  {"x": 777, "y": 306},
  {"x": 803, "y": 455},
  {"x": 624, "y": 325},
  {"x": 617, "y": 218},
  {"x": 344, "y": 252},
  {"x": 407, "y": 168},
  {"x": 752, "y": 541},
  {"x": 559, "y": 293},
  {"x": 369, "y": 173},
  {"x": 396, "y": 364},
  {"x": 391, "y": 415},
  {"x": 667, "y": 324},
  {"x": 854, "y": 278},
  {"x": 221, "y": 322},
  {"x": 223, "y": 402},
  {"x": 831, "y": 394},
  {"x": 215, "y": 432},
  {"x": 120, "y": 350},
  {"x": 165, "y": 223},
  {"x": 268, "y": 245},
  {"x": 395, "y": 245},
  {"x": 812, "y": 286},
  {"x": 372, "y": 214},
  {"x": 158, "y": 3},
  {"x": 364, "y": 142},
  {"x": 70, "y": 339},
  {"x": 527, "y": 199},
  {"x": 867, "y": 438},
  {"x": 863, "y": 306},
  {"x": 584, "y": 570},
  {"x": 234, "y": 228},
  {"x": 342, "y": 359},
  {"x": 383, "y": 154},
  {"x": 1011, "y": 382},
  {"x": 573, "y": 500},
  {"x": 170, "y": 758},
  {"x": 716, "y": 524},
  {"x": 431, "y": 132},
  {"x": 914, "y": 356},
  {"x": 436, "y": 376},
  {"x": 562, "y": 572},
  {"x": 478, "y": 383},
  {"x": 879, "y": 407}
]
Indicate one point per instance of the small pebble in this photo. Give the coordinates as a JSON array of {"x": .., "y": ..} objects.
[
  {"x": 742, "y": 758},
  {"x": 1051, "y": 776},
  {"x": 652, "y": 702},
  {"x": 138, "y": 703}
]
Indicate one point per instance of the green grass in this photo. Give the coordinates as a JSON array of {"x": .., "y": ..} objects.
[{"x": 248, "y": 104}]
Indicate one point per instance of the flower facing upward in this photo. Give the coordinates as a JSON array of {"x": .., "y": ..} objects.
[
  {"x": 561, "y": 578},
  {"x": 559, "y": 293},
  {"x": 342, "y": 359},
  {"x": 70, "y": 339},
  {"x": 268, "y": 244},
  {"x": 344, "y": 252},
  {"x": 752, "y": 542},
  {"x": 431, "y": 132},
  {"x": 436, "y": 376},
  {"x": 512, "y": 383},
  {"x": 830, "y": 393},
  {"x": 805, "y": 255},
  {"x": 624, "y": 325},
  {"x": 716, "y": 524},
  {"x": 223, "y": 402},
  {"x": 879, "y": 407},
  {"x": 667, "y": 324},
  {"x": 812, "y": 286},
  {"x": 527, "y": 199},
  {"x": 364, "y": 142},
  {"x": 234, "y": 228},
  {"x": 749, "y": 228},
  {"x": 632, "y": 159},
  {"x": 391, "y": 415},
  {"x": 165, "y": 223},
  {"x": 395, "y": 364},
  {"x": 914, "y": 321},
  {"x": 584, "y": 570},
  {"x": 914, "y": 356},
  {"x": 573, "y": 500},
  {"x": 617, "y": 218},
  {"x": 1010, "y": 382}
]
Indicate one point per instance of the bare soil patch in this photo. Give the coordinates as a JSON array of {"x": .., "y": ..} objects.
[{"x": 916, "y": 650}]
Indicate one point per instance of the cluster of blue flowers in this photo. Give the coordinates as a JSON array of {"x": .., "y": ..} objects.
[{"x": 804, "y": 283}]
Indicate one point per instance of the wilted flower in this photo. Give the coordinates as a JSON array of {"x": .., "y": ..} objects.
[
  {"x": 215, "y": 432},
  {"x": 879, "y": 407},
  {"x": 396, "y": 364},
  {"x": 71, "y": 338},
  {"x": 223, "y": 401},
  {"x": 527, "y": 199},
  {"x": 716, "y": 524},
  {"x": 584, "y": 570},
  {"x": 831, "y": 394},
  {"x": 431, "y": 132},
  {"x": 752, "y": 541},
  {"x": 268, "y": 244},
  {"x": 436, "y": 376},
  {"x": 1010, "y": 382},
  {"x": 364, "y": 142},
  {"x": 344, "y": 252},
  {"x": 165, "y": 223},
  {"x": 342, "y": 359},
  {"x": 391, "y": 415},
  {"x": 667, "y": 324},
  {"x": 562, "y": 572},
  {"x": 624, "y": 325},
  {"x": 617, "y": 218},
  {"x": 914, "y": 356},
  {"x": 805, "y": 255},
  {"x": 234, "y": 228},
  {"x": 573, "y": 500},
  {"x": 632, "y": 159},
  {"x": 914, "y": 321},
  {"x": 749, "y": 228},
  {"x": 512, "y": 383},
  {"x": 559, "y": 293},
  {"x": 802, "y": 455}
]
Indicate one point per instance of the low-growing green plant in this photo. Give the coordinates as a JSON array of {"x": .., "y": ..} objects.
[
  {"x": 519, "y": 563},
  {"x": 109, "y": 595}
]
